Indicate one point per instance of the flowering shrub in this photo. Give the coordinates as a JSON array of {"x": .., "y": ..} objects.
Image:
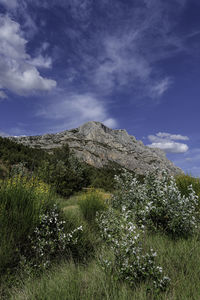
[
  {"x": 158, "y": 203},
  {"x": 50, "y": 239},
  {"x": 131, "y": 262},
  {"x": 30, "y": 183}
]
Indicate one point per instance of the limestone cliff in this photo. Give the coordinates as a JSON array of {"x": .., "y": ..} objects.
[{"x": 98, "y": 145}]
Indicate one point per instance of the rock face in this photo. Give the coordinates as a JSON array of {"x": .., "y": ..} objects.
[{"x": 98, "y": 145}]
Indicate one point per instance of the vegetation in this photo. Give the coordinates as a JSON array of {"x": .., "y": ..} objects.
[
  {"x": 139, "y": 241},
  {"x": 91, "y": 203},
  {"x": 61, "y": 169}
]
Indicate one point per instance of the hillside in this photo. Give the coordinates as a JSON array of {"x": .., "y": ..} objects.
[{"x": 98, "y": 145}]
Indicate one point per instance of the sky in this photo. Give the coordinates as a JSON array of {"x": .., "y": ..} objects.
[{"x": 131, "y": 65}]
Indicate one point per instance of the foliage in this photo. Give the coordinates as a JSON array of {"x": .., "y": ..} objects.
[
  {"x": 91, "y": 203},
  {"x": 12, "y": 153},
  {"x": 184, "y": 181},
  {"x": 158, "y": 203},
  {"x": 22, "y": 202},
  {"x": 132, "y": 262},
  {"x": 104, "y": 177},
  {"x": 49, "y": 239},
  {"x": 60, "y": 168},
  {"x": 64, "y": 172}
]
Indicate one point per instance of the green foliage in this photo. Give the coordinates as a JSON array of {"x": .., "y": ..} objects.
[
  {"x": 132, "y": 262},
  {"x": 60, "y": 168},
  {"x": 87, "y": 242},
  {"x": 104, "y": 177},
  {"x": 184, "y": 181},
  {"x": 64, "y": 172},
  {"x": 21, "y": 204},
  {"x": 91, "y": 203},
  {"x": 158, "y": 204},
  {"x": 13, "y": 153}
]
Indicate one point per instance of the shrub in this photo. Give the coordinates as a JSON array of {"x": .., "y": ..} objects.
[
  {"x": 32, "y": 227},
  {"x": 50, "y": 239},
  {"x": 91, "y": 203},
  {"x": 132, "y": 262},
  {"x": 158, "y": 203}
]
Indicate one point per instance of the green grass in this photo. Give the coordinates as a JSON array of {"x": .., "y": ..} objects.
[
  {"x": 91, "y": 203},
  {"x": 183, "y": 181},
  {"x": 180, "y": 260},
  {"x": 82, "y": 278},
  {"x": 20, "y": 206}
]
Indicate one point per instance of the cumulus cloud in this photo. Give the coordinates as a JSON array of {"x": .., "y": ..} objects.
[
  {"x": 172, "y": 136},
  {"x": 41, "y": 61},
  {"x": 166, "y": 142},
  {"x": 18, "y": 72},
  {"x": 74, "y": 110}
]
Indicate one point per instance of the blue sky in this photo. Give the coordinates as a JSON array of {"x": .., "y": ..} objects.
[{"x": 130, "y": 64}]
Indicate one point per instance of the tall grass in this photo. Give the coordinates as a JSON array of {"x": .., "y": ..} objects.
[
  {"x": 183, "y": 181},
  {"x": 91, "y": 203},
  {"x": 21, "y": 203},
  {"x": 68, "y": 281}
]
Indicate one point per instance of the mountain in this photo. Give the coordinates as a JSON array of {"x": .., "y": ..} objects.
[{"x": 99, "y": 145}]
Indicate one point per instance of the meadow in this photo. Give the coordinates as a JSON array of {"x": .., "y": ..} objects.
[{"x": 138, "y": 239}]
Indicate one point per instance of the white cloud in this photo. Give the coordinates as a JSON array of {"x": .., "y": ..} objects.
[
  {"x": 41, "y": 61},
  {"x": 170, "y": 147},
  {"x": 165, "y": 141},
  {"x": 161, "y": 87},
  {"x": 172, "y": 136},
  {"x": 17, "y": 71},
  {"x": 73, "y": 110},
  {"x": 120, "y": 64},
  {"x": 128, "y": 55}
]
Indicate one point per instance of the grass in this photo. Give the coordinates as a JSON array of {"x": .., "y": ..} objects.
[
  {"x": 82, "y": 278},
  {"x": 180, "y": 260},
  {"x": 22, "y": 201},
  {"x": 90, "y": 203}
]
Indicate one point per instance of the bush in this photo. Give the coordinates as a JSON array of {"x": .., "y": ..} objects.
[
  {"x": 132, "y": 262},
  {"x": 91, "y": 203},
  {"x": 158, "y": 203},
  {"x": 50, "y": 239}
]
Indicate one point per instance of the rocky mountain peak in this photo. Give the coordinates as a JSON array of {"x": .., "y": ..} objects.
[{"x": 98, "y": 145}]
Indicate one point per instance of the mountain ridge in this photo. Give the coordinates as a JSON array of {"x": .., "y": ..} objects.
[{"x": 98, "y": 145}]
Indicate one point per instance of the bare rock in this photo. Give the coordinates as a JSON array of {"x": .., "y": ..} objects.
[{"x": 98, "y": 145}]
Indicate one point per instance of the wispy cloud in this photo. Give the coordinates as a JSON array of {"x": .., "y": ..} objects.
[
  {"x": 10, "y": 4},
  {"x": 166, "y": 142},
  {"x": 2, "y": 95},
  {"x": 74, "y": 109},
  {"x": 127, "y": 55}
]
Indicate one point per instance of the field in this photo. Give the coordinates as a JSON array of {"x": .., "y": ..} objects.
[{"x": 88, "y": 264}]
